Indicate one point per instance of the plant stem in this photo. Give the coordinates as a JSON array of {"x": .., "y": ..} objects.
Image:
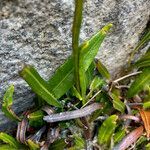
[
  {"x": 127, "y": 76},
  {"x": 75, "y": 40}
]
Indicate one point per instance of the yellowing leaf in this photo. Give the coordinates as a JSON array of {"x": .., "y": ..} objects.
[{"x": 145, "y": 115}]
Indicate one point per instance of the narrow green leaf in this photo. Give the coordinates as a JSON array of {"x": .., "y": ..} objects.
[
  {"x": 38, "y": 85},
  {"x": 146, "y": 105},
  {"x": 90, "y": 74},
  {"x": 7, "y": 103},
  {"x": 62, "y": 80},
  {"x": 102, "y": 70},
  {"x": 144, "y": 61},
  {"x": 139, "y": 82},
  {"x": 117, "y": 103},
  {"x": 76, "y": 93},
  {"x": 58, "y": 145},
  {"x": 36, "y": 115},
  {"x": 7, "y": 147},
  {"x": 32, "y": 145},
  {"x": 140, "y": 141},
  {"x": 9, "y": 139},
  {"x": 97, "y": 81},
  {"x": 75, "y": 39},
  {"x": 145, "y": 39},
  {"x": 106, "y": 130},
  {"x": 148, "y": 146},
  {"x": 79, "y": 142},
  {"x": 36, "y": 118},
  {"x": 119, "y": 135}
]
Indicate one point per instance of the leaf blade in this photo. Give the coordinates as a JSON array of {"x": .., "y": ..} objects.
[
  {"x": 63, "y": 79},
  {"x": 102, "y": 70},
  {"x": 106, "y": 130},
  {"x": 38, "y": 85},
  {"x": 139, "y": 82},
  {"x": 7, "y": 103},
  {"x": 9, "y": 139},
  {"x": 117, "y": 103}
]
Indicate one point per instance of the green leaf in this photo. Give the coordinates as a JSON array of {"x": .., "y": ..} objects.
[
  {"x": 144, "y": 39},
  {"x": 36, "y": 118},
  {"x": 144, "y": 61},
  {"x": 79, "y": 142},
  {"x": 119, "y": 135},
  {"x": 102, "y": 70},
  {"x": 58, "y": 145},
  {"x": 62, "y": 80},
  {"x": 90, "y": 74},
  {"x": 117, "y": 103},
  {"x": 104, "y": 99},
  {"x": 7, "y": 103},
  {"x": 7, "y": 147},
  {"x": 32, "y": 145},
  {"x": 38, "y": 85},
  {"x": 36, "y": 115},
  {"x": 90, "y": 48},
  {"x": 106, "y": 130},
  {"x": 9, "y": 139},
  {"x": 88, "y": 51},
  {"x": 146, "y": 105},
  {"x": 148, "y": 146},
  {"x": 76, "y": 93},
  {"x": 97, "y": 81},
  {"x": 139, "y": 82},
  {"x": 75, "y": 40}
]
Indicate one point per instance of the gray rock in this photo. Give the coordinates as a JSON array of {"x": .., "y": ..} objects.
[{"x": 38, "y": 32}]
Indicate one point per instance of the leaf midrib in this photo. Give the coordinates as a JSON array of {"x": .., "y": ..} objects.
[{"x": 62, "y": 80}]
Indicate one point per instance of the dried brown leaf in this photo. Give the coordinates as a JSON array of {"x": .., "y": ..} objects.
[{"x": 145, "y": 115}]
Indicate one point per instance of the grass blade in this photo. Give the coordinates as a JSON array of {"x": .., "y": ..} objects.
[
  {"x": 9, "y": 139},
  {"x": 139, "y": 82},
  {"x": 38, "y": 85}
]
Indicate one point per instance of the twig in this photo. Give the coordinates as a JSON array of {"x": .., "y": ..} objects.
[
  {"x": 127, "y": 76},
  {"x": 68, "y": 115},
  {"x": 131, "y": 117},
  {"x": 129, "y": 139}
]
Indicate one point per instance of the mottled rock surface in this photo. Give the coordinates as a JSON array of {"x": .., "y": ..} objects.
[{"x": 38, "y": 32}]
